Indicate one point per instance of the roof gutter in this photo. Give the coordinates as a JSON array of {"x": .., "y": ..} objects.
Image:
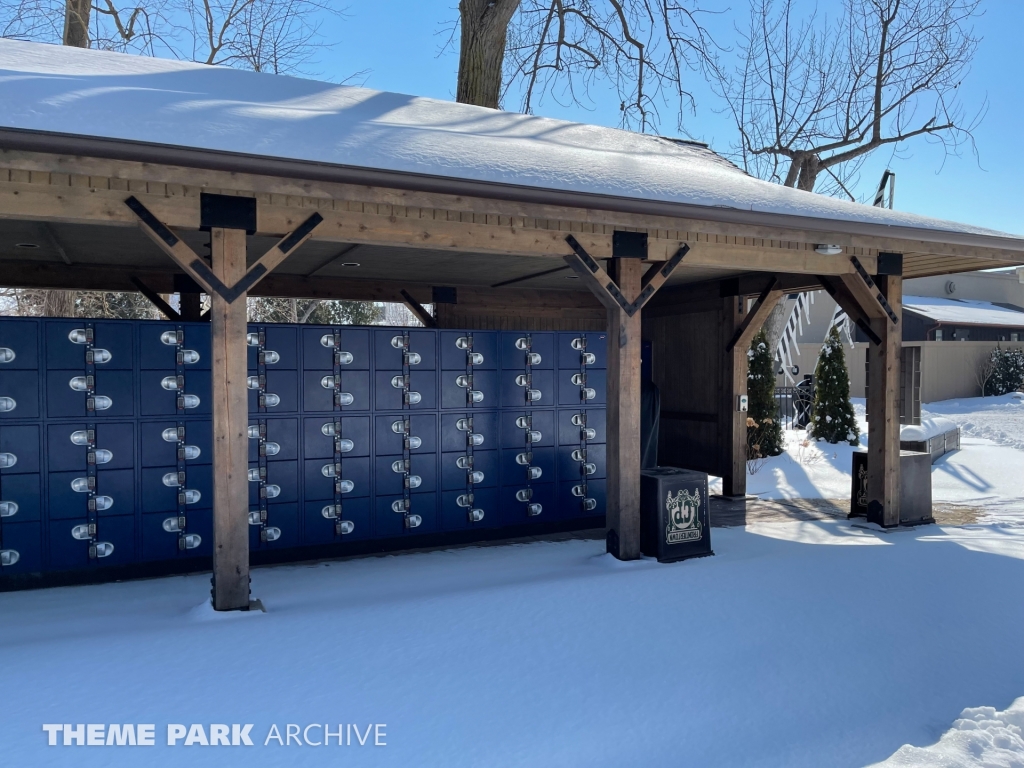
[{"x": 216, "y": 160}]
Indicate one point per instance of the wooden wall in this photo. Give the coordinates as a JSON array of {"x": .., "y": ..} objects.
[
  {"x": 688, "y": 362},
  {"x": 522, "y": 310}
]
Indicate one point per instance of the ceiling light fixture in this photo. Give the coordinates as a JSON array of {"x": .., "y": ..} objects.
[
  {"x": 351, "y": 264},
  {"x": 828, "y": 250},
  {"x": 27, "y": 245},
  {"x": 572, "y": 277}
]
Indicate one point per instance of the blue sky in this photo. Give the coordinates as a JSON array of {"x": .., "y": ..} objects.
[{"x": 399, "y": 43}]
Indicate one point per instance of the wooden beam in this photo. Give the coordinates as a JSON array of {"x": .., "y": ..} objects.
[
  {"x": 623, "y": 440},
  {"x": 883, "y": 410},
  {"x": 420, "y": 228},
  {"x": 755, "y": 318},
  {"x": 656, "y": 276},
  {"x": 851, "y": 305},
  {"x": 156, "y": 299},
  {"x": 230, "y": 428},
  {"x": 418, "y": 310},
  {"x": 732, "y": 423},
  {"x": 281, "y": 250},
  {"x": 96, "y": 173},
  {"x": 596, "y": 279}
]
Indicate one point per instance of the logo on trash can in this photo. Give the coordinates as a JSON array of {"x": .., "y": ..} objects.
[{"x": 683, "y": 517}]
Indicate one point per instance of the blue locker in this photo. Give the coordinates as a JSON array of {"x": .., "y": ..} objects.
[
  {"x": 317, "y": 356},
  {"x": 115, "y": 336},
  {"x": 389, "y": 357},
  {"x": 21, "y": 337},
  {"x": 387, "y": 481},
  {"x": 318, "y": 486},
  {"x": 484, "y": 423},
  {"x": 284, "y": 384},
  {"x": 68, "y": 553},
  {"x": 157, "y": 452},
  {"x": 23, "y": 444},
  {"x": 282, "y": 516},
  {"x": 157, "y": 497},
  {"x": 454, "y": 358},
  {"x": 514, "y": 512},
  {"x": 65, "y": 502},
  {"x": 158, "y": 544},
  {"x": 569, "y": 468},
  {"x": 282, "y": 432},
  {"x": 456, "y": 518},
  {"x": 318, "y": 529},
  {"x": 514, "y": 436},
  {"x": 597, "y": 343},
  {"x": 389, "y": 442},
  {"x": 25, "y": 538},
  {"x": 570, "y": 394},
  {"x": 455, "y": 396},
  {"x": 569, "y": 433},
  {"x": 63, "y": 401},
  {"x": 25, "y": 491},
  {"x": 570, "y": 506},
  {"x": 64, "y": 455},
  {"x": 281, "y": 339},
  {"x": 388, "y": 397},
  {"x": 453, "y": 477},
  {"x": 513, "y": 394},
  {"x": 21, "y": 388},
  {"x": 514, "y": 359},
  {"x": 154, "y": 400},
  {"x": 316, "y": 444},
  {"x": 514, "y": 473},
  {"x": 155, "y": 355},
  {"x": 389, "y": 524},
  {"x": 316, "y": 397},
  {"x": 283, "y": 474}
]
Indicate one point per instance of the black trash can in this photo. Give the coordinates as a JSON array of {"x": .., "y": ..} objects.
[{"x": 674, "y": 514}]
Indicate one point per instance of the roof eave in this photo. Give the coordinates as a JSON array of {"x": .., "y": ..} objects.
[{"x": 215, "y": 160}]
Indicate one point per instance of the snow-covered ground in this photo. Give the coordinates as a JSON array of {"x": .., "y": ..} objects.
[
  {"x": 799, "y": 644},
  {"x": 988, "y": 473}
]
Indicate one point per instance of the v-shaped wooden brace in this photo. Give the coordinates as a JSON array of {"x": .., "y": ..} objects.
[
  {"x": 604, "y": 287},
  {"x": 200, "y": 271}
]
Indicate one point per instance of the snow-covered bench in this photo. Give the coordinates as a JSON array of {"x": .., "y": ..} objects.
[{"x": 935, "y": 435}]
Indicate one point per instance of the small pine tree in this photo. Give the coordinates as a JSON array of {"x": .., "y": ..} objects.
[
  {"x": 832, "y": 418},
  {"x": 1007, "y": 366},
  {"x": 764, "y": 432}
]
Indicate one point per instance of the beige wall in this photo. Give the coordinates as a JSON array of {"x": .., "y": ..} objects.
[{"x": 948, "y": 368}]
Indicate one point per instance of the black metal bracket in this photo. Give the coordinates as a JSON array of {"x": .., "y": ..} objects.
[
  {"x": 605, "y": 288},
  {"x": 871, "y": 286}
]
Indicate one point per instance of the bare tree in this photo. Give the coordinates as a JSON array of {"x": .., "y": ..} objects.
[
  {"x": 813, "y": 98},
  {"x": 561, "y": 48}
]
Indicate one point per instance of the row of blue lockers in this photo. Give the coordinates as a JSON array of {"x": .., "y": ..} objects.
[
  {"x": 42, "y": 470},
  {"x": 534, "y": 459},
  {"x": 136, "y": 368}
]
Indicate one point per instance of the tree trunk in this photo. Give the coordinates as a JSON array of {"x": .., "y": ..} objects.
[
  {"x": 809, "y": 173},
  {"x": 58, "y": 303},
  {"x": 76, "y": 23},
  {"x": 482, "y": 50}
]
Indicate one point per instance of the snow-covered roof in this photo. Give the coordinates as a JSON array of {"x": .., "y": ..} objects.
[
  {"x": 963, "y": 311},
  {"x": 54, "y": 89}
]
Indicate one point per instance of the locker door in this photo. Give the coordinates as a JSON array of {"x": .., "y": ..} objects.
[
  {"x": 390, "y": 524},
  {"x": 455, "y": 516},
  {"x": 20, "y": 390},
  {"x": 318, "y": 529},
  {"x": 25, "y": 538}
]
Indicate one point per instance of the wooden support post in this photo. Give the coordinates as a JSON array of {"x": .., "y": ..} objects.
[
  {"x": 732, "y": 422},
  {"x": 230, "y": 427},
  {"x": 883, "y": 409},
  {"x": 623, "y": 511}
]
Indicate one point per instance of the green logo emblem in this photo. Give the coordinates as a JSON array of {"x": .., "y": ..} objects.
[{"x": 683, "y": 517}]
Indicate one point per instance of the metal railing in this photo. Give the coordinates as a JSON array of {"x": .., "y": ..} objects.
[{"x": 794, "y": 406}]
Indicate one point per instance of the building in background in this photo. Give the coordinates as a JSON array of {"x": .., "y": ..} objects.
[{"x": 978, "y": 310}]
